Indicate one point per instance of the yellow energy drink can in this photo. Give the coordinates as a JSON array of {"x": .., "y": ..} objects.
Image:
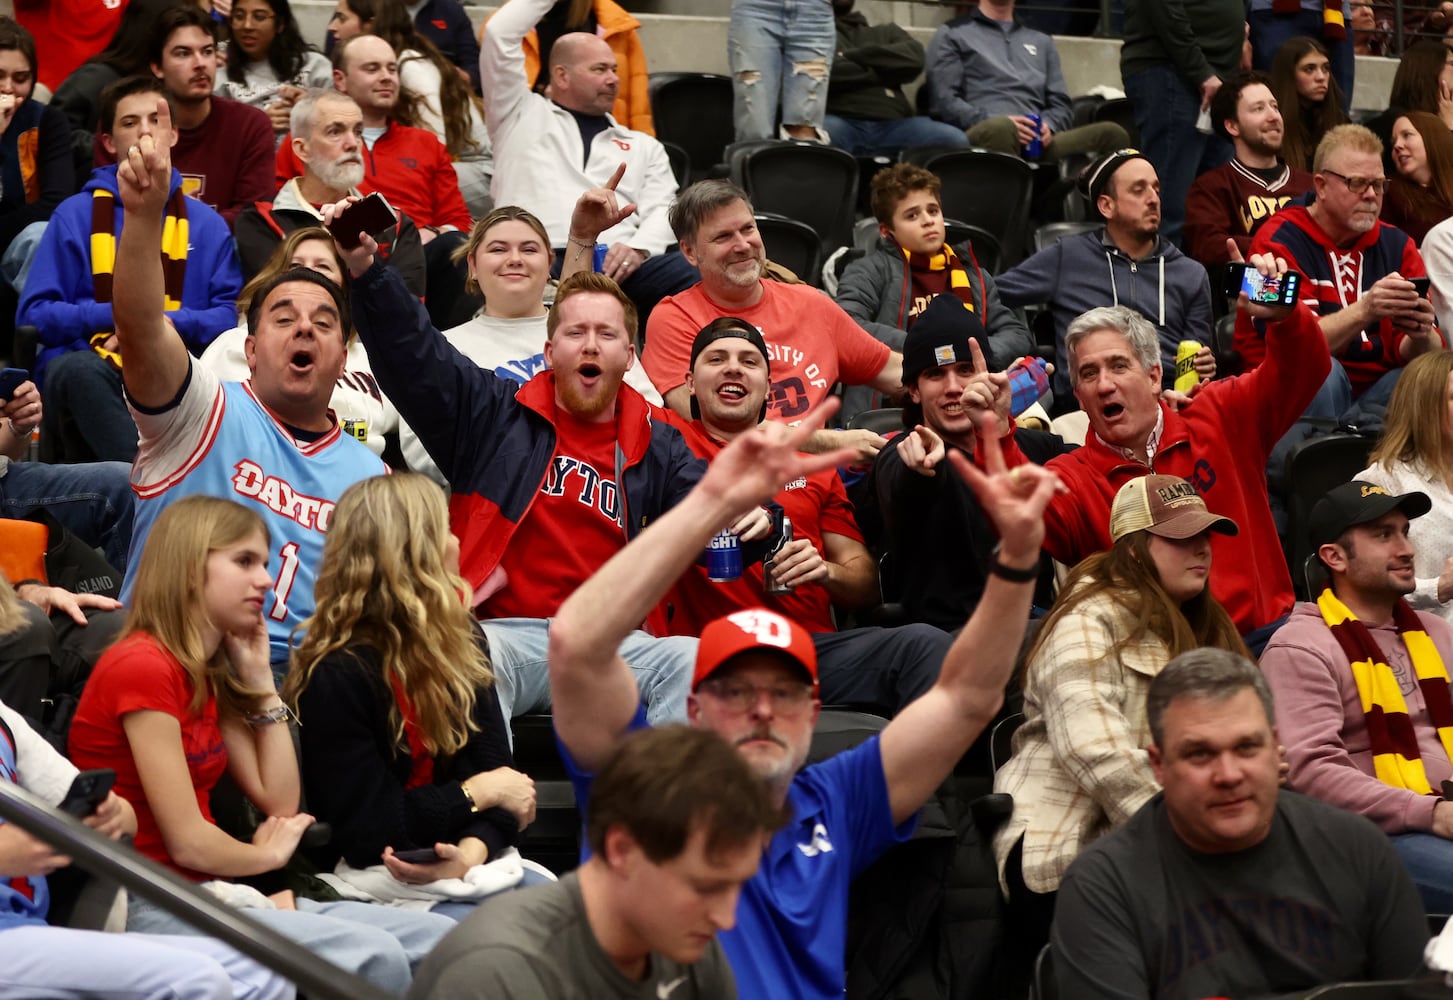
[{"x": 1186, "y": 376}]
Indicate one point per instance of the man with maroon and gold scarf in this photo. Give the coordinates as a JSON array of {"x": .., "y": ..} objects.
[
  {"x": 68, "y": 293},
  {"x": 1361, "y": 683}
]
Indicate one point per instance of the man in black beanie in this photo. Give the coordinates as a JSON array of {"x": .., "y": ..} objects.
[{"x": 949, "y": 373}]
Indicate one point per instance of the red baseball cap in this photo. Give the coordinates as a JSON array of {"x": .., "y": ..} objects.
[{"x": 752, "y": 629}]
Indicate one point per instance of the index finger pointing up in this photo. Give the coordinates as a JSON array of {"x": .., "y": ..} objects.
[
  {"x": 981, "y": 367},
  {"x": 615, "y": 178}
]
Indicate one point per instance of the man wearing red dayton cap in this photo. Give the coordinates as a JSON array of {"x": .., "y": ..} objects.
[{"x": 754, "y": 684}]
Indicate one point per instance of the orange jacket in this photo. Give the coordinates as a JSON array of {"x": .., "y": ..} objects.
[{"x": 616, "y": 25}]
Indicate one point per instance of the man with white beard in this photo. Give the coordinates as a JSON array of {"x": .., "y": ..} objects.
[{"x": 327, "y": 137}]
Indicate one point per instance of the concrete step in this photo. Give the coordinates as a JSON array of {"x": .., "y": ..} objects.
[{"x": 696, "y": 42}]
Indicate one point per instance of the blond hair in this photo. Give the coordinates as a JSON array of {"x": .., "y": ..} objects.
[
  {"x": 384, "y": 583},
  {"x": 1357, "y": 138},
  {"x": 1413, "y": 432},
  {"x": 168, "y": 601}
]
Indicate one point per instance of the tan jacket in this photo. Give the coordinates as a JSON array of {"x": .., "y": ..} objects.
[{"x": 1079, "y": 767}]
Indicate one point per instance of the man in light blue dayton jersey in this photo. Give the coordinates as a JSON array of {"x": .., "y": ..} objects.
[{"x": 270, "y": 443}]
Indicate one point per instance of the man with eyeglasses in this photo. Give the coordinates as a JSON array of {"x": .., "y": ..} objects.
[
  {"x": 824, "y": 564},
  {"x": 224, "y": 149},
  {"x": 754, "y": 684},
  {"x": 1356, "y": 271}
]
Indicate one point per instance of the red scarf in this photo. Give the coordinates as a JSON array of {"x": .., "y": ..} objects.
[{"x": 421, "y": 768}]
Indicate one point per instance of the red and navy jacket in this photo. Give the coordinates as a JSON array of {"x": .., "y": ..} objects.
[
  {"x": 495, "y": 445},
  {"x": 1335, "y": 277}
]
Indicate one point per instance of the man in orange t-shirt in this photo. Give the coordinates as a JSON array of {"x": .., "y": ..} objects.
[{"x": 812, "y": 343}]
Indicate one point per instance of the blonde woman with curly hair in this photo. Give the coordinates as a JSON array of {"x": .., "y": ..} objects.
[
  {"x": 404, "y": 743},
  {"x": 186, "y": 694}
]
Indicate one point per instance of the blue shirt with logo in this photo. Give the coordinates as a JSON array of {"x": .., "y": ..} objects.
[{"x": 791, "y": 932}]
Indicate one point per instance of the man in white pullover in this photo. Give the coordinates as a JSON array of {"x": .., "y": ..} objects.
[{"x": 550, "y": 148}]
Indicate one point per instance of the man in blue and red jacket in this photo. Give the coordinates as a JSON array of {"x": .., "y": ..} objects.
[{"x": 547, "y": 483}]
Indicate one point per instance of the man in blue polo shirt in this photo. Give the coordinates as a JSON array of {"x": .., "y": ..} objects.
[{"x": 755, "y": 685}]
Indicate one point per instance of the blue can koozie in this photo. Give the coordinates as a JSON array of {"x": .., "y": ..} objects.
[
  {"x": 723, "y": 558},
  {"x": 1027, "y": 383},
  {"x": 599, "y": 263},
  {"x": 1034, "y": 147}
]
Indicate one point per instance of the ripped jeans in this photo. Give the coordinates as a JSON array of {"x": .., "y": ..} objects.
[{"x": 779, "y": 49}]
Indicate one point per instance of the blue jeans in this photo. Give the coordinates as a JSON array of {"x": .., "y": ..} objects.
[
  {"x": 20, "y": 255},
  {"x": 94, "y": 501},
  {"x": 61, "y": 963},
  {"x": 862, "y": 137},
  {"x": 779, "y": 49},
  {"x": 85, "y": 406},
  {"x": 1429, "y": 861},
  {"x": 518, "y": 648},
  {"x": 1269, "y": 31},
  {"x": 383, "y": 944},
  {"x": 1166, "y": 109}
]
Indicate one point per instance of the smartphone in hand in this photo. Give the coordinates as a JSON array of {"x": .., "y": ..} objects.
[
  {"x": 372, "y": 215},
  {"x": 88, "y": 790}
]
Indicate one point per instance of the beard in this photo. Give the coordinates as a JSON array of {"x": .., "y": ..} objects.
[
  {"x": 340, "y": 175},
  {"x": 588, "y": 405}
]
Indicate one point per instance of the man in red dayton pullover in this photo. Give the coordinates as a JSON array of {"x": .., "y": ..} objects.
[
  {"x": 825, "y": 563},
  {"x": 1219, "y": 443}
]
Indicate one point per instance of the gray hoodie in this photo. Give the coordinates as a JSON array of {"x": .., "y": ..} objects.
[{"x": 1086, "y": 271}]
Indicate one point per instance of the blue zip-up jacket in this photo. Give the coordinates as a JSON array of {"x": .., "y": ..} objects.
[
  {"x": 495, "y": 445},
  {"x": 59, "y": 299}
]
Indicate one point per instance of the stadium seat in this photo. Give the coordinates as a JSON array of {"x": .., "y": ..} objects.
[
  {"x": 694, "y": 111},
  {"x": 1052, "y": 232},
  {"x": 990, "y": 190},
  {"x": 1314, "y": 467},
  {"x": 554, "y": 838},
  {"x": 1001, "y": 740},
  {"x": 1044, "y": 987},
  {"x": 680, "y": 163},
  {"x": 795, "y": 245},
  {"x": 884, "y": 421},
  {"x": 988, "y": 251},
  {"x": 805, "y": 181},
  {"x": 1121, "y": 113}
]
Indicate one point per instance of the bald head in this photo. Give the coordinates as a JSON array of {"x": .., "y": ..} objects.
[
  {"x": 583, "y": 74},
  {"x": 367, "y": 70}
]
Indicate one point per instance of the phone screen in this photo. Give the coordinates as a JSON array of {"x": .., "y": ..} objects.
[{"x": 1259, "y": 288}]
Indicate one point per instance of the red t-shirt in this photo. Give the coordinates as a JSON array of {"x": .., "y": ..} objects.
[
  {"x": 813, "y": 343},
  {"x": 571, "y": 530},
  {"x": 138, "y": 675},
  {"x": 816, "y": 505}
]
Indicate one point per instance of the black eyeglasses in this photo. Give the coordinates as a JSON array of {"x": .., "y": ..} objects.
[{"x": 1357, "y": 185}]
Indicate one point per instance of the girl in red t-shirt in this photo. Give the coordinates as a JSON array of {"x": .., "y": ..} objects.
[{"x": 188, "y": 693}]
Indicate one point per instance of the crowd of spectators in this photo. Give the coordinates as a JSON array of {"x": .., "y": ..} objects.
[{"x": 297, "y": 522}]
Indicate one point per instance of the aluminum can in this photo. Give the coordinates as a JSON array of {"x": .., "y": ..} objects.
[
  {"x": 598, "y": 264},
  {"x": 1034, "y": 147},
  {"x": 1186, "y": 377},
  {"x": 772, "y": 586},
  {"x": 724, "y": 558}
]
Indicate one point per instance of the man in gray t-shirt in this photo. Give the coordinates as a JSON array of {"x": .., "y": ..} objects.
[
  {"x": 1222, "y": 885},
  {"x": 676, "y": 822}
]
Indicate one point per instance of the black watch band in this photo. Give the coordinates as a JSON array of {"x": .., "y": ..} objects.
[{"x": 1010, "y": 573}]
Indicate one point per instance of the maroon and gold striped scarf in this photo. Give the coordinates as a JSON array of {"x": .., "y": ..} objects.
[{"x": 1395, "y": 755}]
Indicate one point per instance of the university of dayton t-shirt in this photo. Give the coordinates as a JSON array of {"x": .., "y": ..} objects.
[
  {"x": 813, "y": 344},
  {"x": 571, "y": 529}
]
